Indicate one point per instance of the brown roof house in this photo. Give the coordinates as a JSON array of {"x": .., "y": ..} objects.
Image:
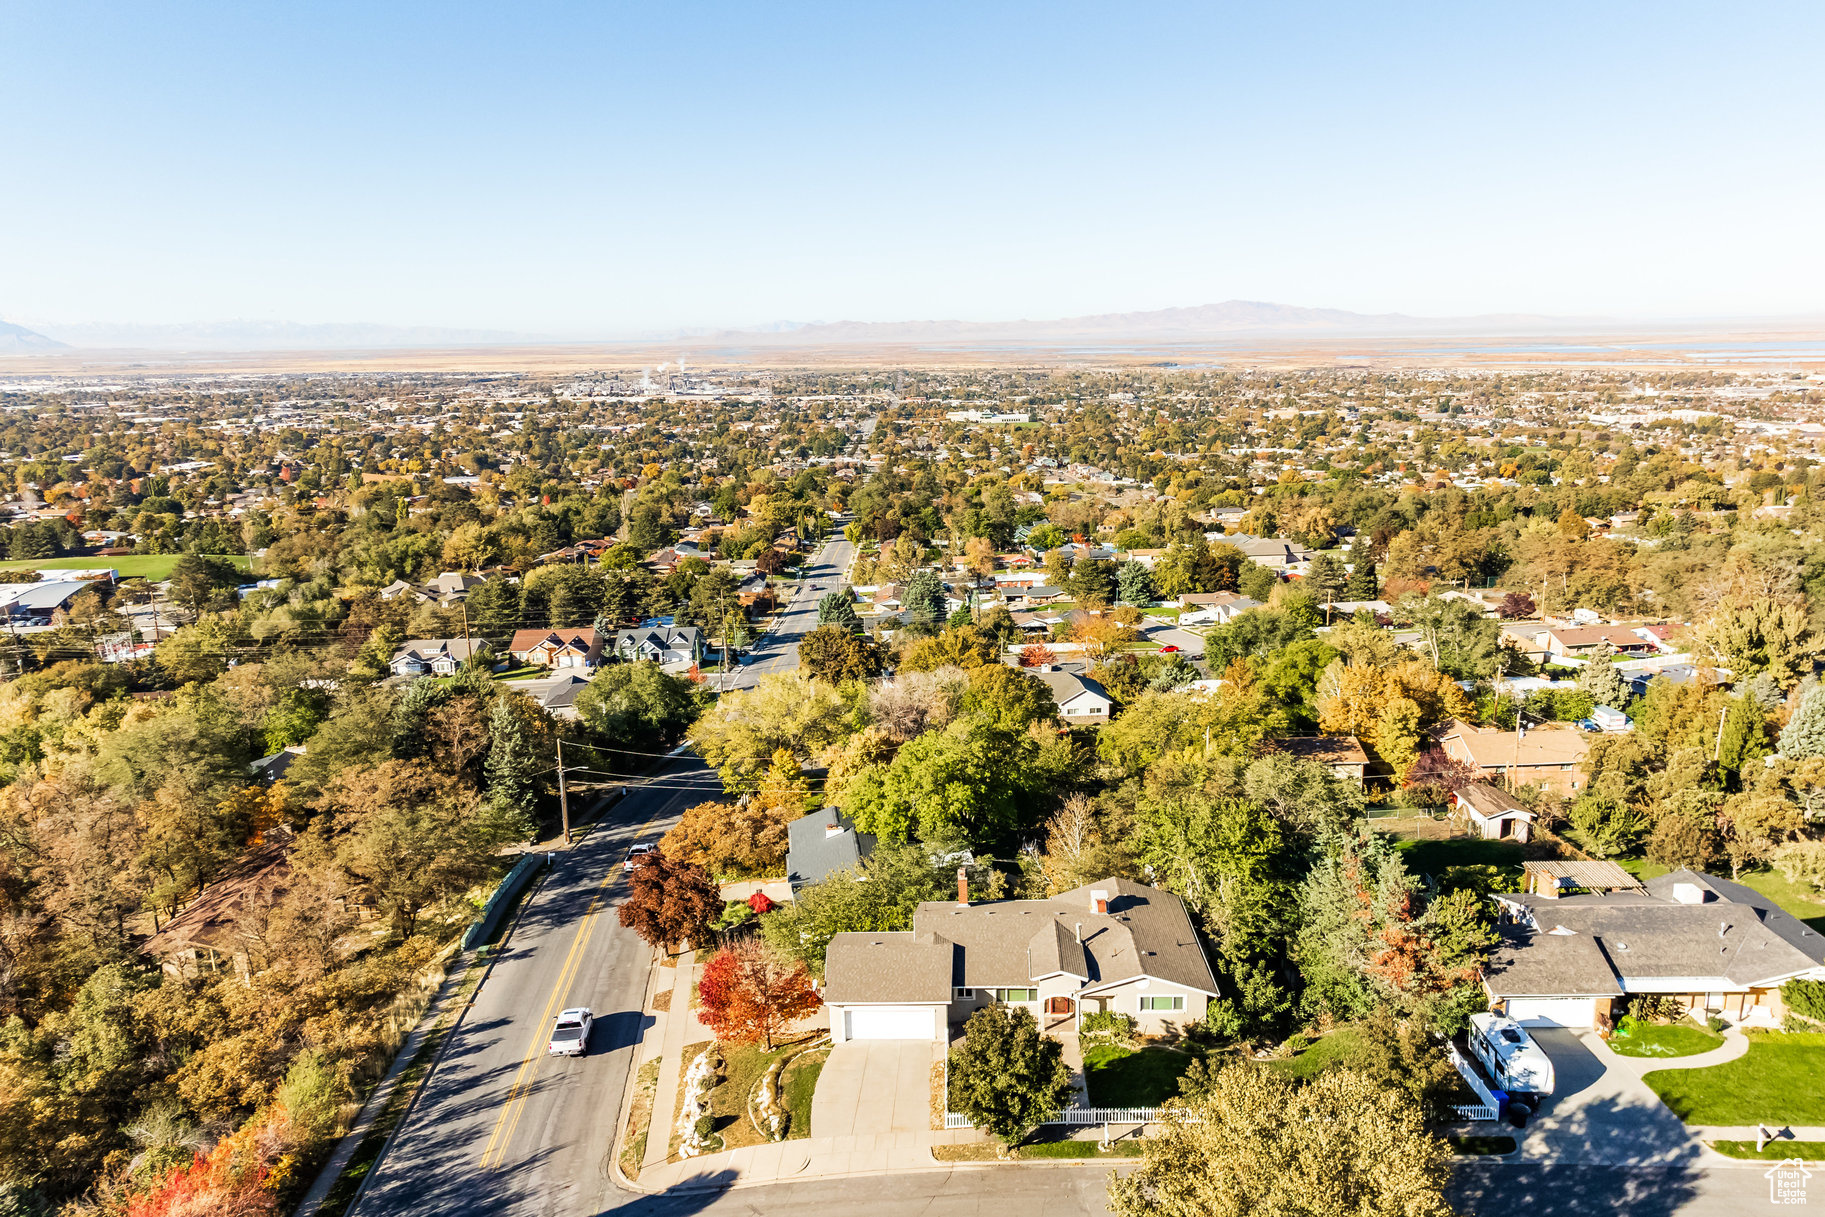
[
  {"x": 572, "y": 648},
  {"x": 1494, "y": 814},
  {"x": 1341, "y": 754},
  {"x": 1544, "y": 756},
  {"x": 1114, "y": 945},
  {"x": 217, "y": 927}
]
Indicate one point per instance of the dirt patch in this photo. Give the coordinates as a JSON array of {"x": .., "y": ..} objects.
[
  {"x": 938, "y": 1096},
  {"x": 639, "y": 1119},
  {"x": 662, "y": 1001}
]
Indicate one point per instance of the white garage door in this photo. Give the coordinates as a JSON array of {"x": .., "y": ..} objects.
[
  {"x": 1553, "y": 1011},
  {"x": 890, "y": 1023}
]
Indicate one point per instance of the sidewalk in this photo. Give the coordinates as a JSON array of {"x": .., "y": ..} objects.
[
  {"x": 810, "y": 1158},
  {"x": 677, "y": 1024}
]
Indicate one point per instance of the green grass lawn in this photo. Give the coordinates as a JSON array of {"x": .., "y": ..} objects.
[
  {"x": 1481, "y": 1145},
  {"x": 1434, "y": 857},
  {"x": 1781, "y": 1081},
  {"x": 797, "y": 1082},
  {"x": 1119, "y": 1076},
  {"x": 1320, "y": 1055},
  {"x": 1774, "y": 1151},
  {"x": 155, "y": 568},
  {"x": 742, "y": 1065},
  {"x": 1651, "y": 1039}
]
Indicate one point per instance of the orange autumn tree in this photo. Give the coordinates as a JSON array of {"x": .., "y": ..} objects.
[{"x": 749, "y": 993}]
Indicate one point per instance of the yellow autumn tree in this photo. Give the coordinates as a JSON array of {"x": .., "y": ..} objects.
[{"x": 1349, "y": 697}]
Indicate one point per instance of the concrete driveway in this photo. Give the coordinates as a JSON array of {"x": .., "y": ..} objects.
[
  {"x": 870, "y": 1087},
  {"x": 1600, "y": 1112}
]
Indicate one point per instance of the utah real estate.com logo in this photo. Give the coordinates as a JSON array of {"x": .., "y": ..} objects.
[{"x": 1787, "y": 1181}]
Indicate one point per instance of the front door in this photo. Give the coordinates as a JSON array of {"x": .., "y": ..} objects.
[{"x": 1058, "y": 1005}]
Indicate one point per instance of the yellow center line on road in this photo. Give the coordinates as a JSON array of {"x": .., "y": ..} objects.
[{"x": 495, "y": 1152}]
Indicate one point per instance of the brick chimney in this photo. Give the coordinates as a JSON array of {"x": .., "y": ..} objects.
[
  {"x": 963, "y": 888},
  {"x": 1099, "y": 901}
]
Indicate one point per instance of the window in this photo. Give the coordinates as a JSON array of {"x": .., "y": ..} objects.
[
  {"x": 1162, "y": 1003},
  {"x": 963, "y": 994},
  {"x": 1018, "y": 994}
]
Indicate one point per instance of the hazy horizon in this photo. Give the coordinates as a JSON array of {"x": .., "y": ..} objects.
[{"x": 582, "y": 172}]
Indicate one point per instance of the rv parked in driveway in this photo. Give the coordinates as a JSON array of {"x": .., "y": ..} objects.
[{"x": 1513, "y": 1060}]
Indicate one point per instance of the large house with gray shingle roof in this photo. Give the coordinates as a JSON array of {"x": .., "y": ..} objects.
[
  {"x": 1114, "y": 945},
  {"x": 1714, "y": 946}
]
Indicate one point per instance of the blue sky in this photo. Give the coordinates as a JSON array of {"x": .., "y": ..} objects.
[{"x": 599, "y": 169}]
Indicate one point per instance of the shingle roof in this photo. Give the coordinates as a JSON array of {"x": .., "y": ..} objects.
[
  {"x": 887, "y": 967},
  {"x": 1741, "y": 938},
  {"x": 812, "y": 854},
  {"x": 1146, "y": 932}
]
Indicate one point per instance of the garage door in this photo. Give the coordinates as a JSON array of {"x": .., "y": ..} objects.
[
  {"x": 1553, "y": 1011},
  {"x": 890, "y": 1023}
]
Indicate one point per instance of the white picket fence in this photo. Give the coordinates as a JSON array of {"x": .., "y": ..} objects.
[
  {"x": 1487, "y": 1109},
  {"x": 1078, "y": 1116}
]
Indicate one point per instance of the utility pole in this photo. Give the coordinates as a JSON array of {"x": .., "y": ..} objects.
[{"x": 563, "y": 794}]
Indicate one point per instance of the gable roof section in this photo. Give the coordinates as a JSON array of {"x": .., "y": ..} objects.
[
  {"x": 1146, "y": 932},
  {"x": 896, "y": 967},
  {"x": 813, "y": 854},
  {"x": 582, "y": 638}
]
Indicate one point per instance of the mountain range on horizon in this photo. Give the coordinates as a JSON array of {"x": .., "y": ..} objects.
[{"x": 1231, "y": 320}]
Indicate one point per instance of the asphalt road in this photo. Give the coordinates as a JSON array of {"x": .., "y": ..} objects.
[
  {"x": 777, "y": 651},
  {"x": 500, "y": 1127},
  {"x": 1078, "y": 1191}
]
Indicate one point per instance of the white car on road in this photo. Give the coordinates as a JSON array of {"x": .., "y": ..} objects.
[{"x": 571, "y": 1035}]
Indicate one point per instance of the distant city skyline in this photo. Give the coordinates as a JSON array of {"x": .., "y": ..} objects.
[{"x": 587, "y": 171}]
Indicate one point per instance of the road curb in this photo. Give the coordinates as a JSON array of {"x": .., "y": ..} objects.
[
  {"x": 704, "y": 1189},
  {"x": 627, "y": 1089}
]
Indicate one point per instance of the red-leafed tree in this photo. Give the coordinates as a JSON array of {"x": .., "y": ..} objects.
[
  {"x": 669, "y": 903},
  {"x": 749, "y": 993},
  {"x": 760, "y": 902},
  {"x": 1034, "y": 655},
  {"x": 1515, "y": 605}
]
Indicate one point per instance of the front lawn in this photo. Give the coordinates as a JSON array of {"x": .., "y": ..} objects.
[
  {"x": 742, "y": 1067},
  {"x": 1774, "y": 1151},
  {"x": 1650, "y": 1039},
  {"x": 797, "y": 1083},
  {"x": 1780, "y": 1081},
  {"x": 1319, "y": 1055},
  {"x": 1120, "y": 1076},
  {"x": 1481, "y": 1145}
]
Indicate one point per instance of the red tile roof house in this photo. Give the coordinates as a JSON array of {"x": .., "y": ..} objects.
[
  {"x": 572, "y": 648},
  {"x": 1114, "y": 945}
]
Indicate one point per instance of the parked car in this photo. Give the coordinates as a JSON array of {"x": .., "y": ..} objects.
[
  {"x": 1515, "y": 1062},
  {"x": 571, "y": 1035},
  {"x": 636, "y": 853},
  {"x": 1169, "y": 649}
]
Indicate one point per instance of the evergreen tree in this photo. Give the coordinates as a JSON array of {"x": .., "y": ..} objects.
[
  {"x": 835, "y": 608},
  {"x": 1804, "y": 734},
  {"x": 518, "y": 750},
  {"x": 1362, "y": 584},
  {"x": 1327, "y": 577},
  {"x": 1134, "y": 583},
  {"x": 1603, "y": 682},
  {"x": 924, "y": 596}
]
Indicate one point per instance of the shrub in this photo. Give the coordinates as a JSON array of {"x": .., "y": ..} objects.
[
  {"x": 1716, "y": 1024},
  {"x": 706, "y": 1124},
  {"x": 1108, "y": 1024},
  {"x": 1805, "y": 998},
  {"x": 1652, "y": 1008}
]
